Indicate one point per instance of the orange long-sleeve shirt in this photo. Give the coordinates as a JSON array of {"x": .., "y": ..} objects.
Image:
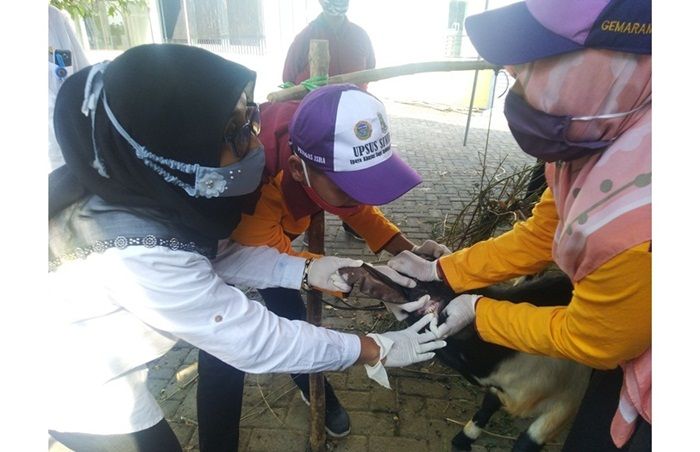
[
  {"x": 273, "y": 225},
  {"x": 608, "y": 320}
]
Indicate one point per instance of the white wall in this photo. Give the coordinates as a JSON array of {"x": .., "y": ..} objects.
[
  {"x": 411, "y": 31},
  {"x": 402, "y": 31}
]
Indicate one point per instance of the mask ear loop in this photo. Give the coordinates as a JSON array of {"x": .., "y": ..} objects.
[
  {"x": 93, "y": 90},
  {"x": 611, "y": 115},
  {"x": 306, "y": 175},
  {"x": 493, "y": 94},
  {"x": 303, "y": 164}
]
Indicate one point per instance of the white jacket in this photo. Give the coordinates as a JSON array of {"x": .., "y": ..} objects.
[{"x": 112, "y": 313}]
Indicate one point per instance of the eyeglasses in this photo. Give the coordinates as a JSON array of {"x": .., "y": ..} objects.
[{"x": 239, "y": 136}]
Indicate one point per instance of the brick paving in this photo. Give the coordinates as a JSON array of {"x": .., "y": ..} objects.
[{"x": 420, "y": 411}]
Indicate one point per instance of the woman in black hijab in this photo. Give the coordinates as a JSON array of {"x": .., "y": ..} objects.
[
  {"x": 177, "y": 114},
  {"x": 161, "y": 159}
]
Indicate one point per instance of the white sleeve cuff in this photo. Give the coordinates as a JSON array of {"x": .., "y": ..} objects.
[{"x": 290, "y": 270}]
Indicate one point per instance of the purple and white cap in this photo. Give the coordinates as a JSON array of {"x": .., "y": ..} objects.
[
  {"x": 535, "y": 29},
  {"x": 344, "y": 132}
]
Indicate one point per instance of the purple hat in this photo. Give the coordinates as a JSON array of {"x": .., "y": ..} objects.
[
  {"x": 344, "y": 132},
  {"x": 535, "y": 29}
]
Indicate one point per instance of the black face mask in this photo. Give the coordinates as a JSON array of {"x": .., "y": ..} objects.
[{"x": 543, "y": 136}]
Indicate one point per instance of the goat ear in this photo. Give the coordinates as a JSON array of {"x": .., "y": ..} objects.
[{"x": 374, "y": 284}]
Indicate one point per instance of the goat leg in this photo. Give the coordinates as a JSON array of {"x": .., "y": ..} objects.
[
  {"x": 463, "y": 440},
  {"x": 525, "y": 443},
  {"x": 548, "y": 424}
]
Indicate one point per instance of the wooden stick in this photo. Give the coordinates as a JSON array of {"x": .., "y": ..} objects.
[
  {"x": 317, "y": 392},
  {"x": 373, "y": 75},
  {"x": 319, "y": 59}
]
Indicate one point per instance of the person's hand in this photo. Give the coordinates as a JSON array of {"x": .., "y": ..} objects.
[
  {"x": 431, "y": 248},
  {"x": 322, "y": 273},
  {"x": 402, "y": 311},
  {"x": 401, "y": 280},
  {"x": 401, "y": 348},
  {"x": 405, "y": 347},
  {"x": 395, "y": 276},
  {"x": 414, "y": 266},
  {"x": 460, "y": 312}
]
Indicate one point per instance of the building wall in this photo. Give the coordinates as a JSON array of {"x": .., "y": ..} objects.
[
  {"x": 402, "y": 31},
  {"x": 413, "y": 31}
]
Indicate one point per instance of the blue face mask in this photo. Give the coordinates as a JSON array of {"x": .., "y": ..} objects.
[
  {"x": 334, "y": 7},
  {"x": 543, "y": 136},
  {"x": 237, "y": 179}
]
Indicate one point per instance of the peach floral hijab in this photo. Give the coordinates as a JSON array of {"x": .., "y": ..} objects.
[{"x": 603, "y": 200}]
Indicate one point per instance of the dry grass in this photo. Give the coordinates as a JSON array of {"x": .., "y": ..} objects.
[{"x": 492, "y": 205}]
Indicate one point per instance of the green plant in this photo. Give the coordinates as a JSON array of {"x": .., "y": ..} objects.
[{"x": 87, "y": 8}]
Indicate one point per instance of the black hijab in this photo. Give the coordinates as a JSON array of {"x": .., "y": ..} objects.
[{"x": 175, "y": 100}]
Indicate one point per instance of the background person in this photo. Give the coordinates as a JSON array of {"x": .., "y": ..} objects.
[
  {"x": 582, "y": 102},
  {"x": 155, "y": 177},
  {"x": 62, "y": 38},
  {"x": 329, "y": 124},
  {"x": 349, "y": 47}
]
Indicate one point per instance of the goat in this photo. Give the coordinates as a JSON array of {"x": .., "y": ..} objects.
[{"x": 524, "y": 385}]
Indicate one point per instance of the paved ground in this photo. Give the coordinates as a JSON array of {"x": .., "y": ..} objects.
[{"x": 422, "y": 410}]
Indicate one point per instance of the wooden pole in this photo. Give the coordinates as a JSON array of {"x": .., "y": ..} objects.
[
  {"x": 373, "y": 75},
  {"x": 319, "y": 59},
  {"x": 317, "y": 392}
]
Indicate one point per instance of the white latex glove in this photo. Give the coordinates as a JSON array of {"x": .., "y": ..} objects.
[
  {"x": 402, "y": 311},
  {"x": 431, "y": 248},
  {"x": 395, "y": 276},
  {"x": 402, "y": 348},
  {"x": 323, "y": 273},
  {"x": 414, "y": 266},
  {"x": 409, "y": 346},
  {"x": 461, "y": 311}
]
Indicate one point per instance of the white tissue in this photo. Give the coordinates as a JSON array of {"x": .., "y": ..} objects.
[{"x": 378, "y": 372}]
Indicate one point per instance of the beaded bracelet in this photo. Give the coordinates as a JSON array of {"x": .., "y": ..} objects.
[{"x": 305, "y": 278}]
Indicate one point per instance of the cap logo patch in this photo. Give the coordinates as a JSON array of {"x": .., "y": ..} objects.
[
  {"x": 382, "y": 123},
  {"x": 363, "y": 130}
]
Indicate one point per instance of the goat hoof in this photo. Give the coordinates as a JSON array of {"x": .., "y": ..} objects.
[
  {"x": 461, "y": 442},
  {"x": 525, "y": 443}
]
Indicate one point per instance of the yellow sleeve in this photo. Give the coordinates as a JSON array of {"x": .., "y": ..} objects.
[
  {"x": 607, "y": 322},
  {"x": 373, "y": 226},
  {"x": 524, "y": 250},
  {"x": 266, "y": 227}
]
